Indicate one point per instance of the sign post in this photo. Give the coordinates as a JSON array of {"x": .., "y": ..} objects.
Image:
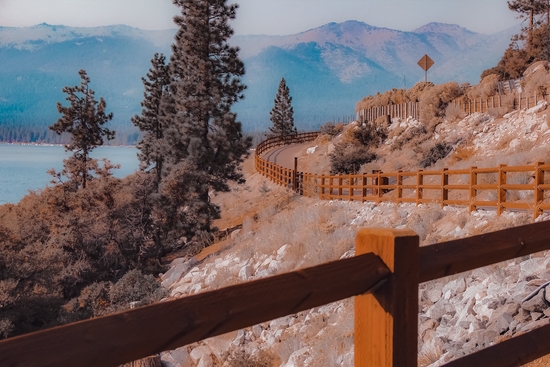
[{"x": 425, "y": 63}]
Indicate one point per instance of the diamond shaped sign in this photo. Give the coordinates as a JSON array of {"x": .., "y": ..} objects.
[{"x": 425, "y": 62}]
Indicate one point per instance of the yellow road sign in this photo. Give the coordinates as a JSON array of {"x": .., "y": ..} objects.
[{"x": 425, "y": 62}]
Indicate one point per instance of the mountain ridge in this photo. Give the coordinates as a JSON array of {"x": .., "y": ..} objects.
[{"x": 328, "y": 68}]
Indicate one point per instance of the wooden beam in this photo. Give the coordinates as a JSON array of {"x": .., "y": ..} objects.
[
  {"x": 124, "y": 337},
  {"x": 461, "y": 255},
  {"x": 513, "y": 352},
  {"x": 386, "y": 321}
]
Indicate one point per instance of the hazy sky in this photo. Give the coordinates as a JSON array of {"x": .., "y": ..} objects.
[{"x": 266, "y": 16}]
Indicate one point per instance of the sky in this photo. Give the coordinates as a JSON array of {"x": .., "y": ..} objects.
[{"x": 273, "y": 17}]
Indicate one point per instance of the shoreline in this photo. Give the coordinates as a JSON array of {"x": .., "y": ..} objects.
[{"x": 63, "y": 145}]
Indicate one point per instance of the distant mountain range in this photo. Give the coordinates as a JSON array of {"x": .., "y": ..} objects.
[{"x": 328, "y": 69}]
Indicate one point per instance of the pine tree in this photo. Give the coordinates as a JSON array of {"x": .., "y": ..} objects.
[
  {"x": 83, "y": 119},
  {"x": 153, "y": 122},
  {"x": 530, "y": 8},
  {"x": 282, "y": 114},
  {"x": 204, "y": 139}
]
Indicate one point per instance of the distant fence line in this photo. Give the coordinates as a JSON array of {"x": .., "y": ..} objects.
[
  {"x": 517, "y": 102},
  {"x": 400, "y": 110},
  {"x": 502, "y": 188}
]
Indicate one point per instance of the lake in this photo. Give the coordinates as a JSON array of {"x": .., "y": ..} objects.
[{"x": 23, "y": 167}]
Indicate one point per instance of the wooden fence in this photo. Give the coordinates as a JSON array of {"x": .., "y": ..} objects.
[
  {"x": 516, "y": 102},
  {"x": 499, "y": 188},
  {"x": 384, "y": 275},
  {"x": 401, "y": 110}
]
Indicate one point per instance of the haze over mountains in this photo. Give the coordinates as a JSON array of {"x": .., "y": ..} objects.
[{"x": 328, "y": 69}]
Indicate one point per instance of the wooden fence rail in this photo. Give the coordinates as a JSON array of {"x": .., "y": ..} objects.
[
  {"x": 499, "y": 188},
  {"x": 516, "y": 102},
  {"x": 384, "y": 275},
  {"x": 401, "y": 110}
]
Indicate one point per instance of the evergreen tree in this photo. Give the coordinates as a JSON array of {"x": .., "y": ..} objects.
[
  {"x": 530, "y": 8},
  {"x": 83, "y": 119},
  {"x": 204, "y": 141},
  {"x": 282, "y": 114},
  {"x": 152, "y": 148}
]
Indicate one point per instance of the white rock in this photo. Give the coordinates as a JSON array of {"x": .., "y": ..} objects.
[
  {"x": 297, "y": 358},
  {"x": 311, "y": 150},
  {"x": 234, "y": 234},
  {"x": 206, "y": 361},
  {"x": 282, "y": 252},
  {"x": 175, "y": 273},
  {"x": 280, "y": 323},
  {"x": 239, "y": 340},
  {"x": 199, "y": 352},
  {"x": 245, "y": 272},
  {"x": 434, "y": 295},
  {"x": 257, "y": 330}
]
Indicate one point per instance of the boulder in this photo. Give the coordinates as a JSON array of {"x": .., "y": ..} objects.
[
  {"x": 257, "y": 331},
  {"x": 245, "y": 272},
  {"x": 535, "y": 304},
  {"x": 206, "y": 361},
  {"x": 199, "y": 352}
]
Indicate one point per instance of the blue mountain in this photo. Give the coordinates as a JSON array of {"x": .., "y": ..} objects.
[{"x": 328, "y": 69}]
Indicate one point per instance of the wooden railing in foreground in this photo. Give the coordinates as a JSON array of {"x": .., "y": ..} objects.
[
  {"x": 459, "y": 187},
  {"x": 386, "y": 272}
]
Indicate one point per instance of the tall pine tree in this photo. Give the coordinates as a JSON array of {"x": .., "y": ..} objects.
[
  {"x": 530, "y": 8},
  {"x": 83, "y": 119},
  {"x": 204, "y": 140},
  {"x": 282, "y": 114},
  {"x": 152, "y": 121}
]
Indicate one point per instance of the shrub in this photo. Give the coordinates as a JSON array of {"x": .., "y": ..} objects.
[
  {"x": 331, "y": 129},
  {"x": 241, "y": 358},
  {"x": 487, "y": 88},
  {"x": 348, "y": 158},
  {"x": 439, "y": 151},
  {"x": 454, "y": 112},
  {"x": 434, "y": 102},
  {"x": 370, "y": 134}
]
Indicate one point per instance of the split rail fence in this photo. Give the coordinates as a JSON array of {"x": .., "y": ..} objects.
[
  {"x": 499, "y": 188},
  {"x": 401, "y": 110},
  {"x": 412, "y": 109},
  {"x": 384, "y": 276},
  {"x": 517, "y": 102}
]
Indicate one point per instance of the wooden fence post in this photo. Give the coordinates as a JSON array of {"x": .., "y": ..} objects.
[
  {"x": 473, "y": 191},
  {"x": 294, "y": 175},
  {"x": 501, "y": 193},
  {"x": 386, "y": 320},
  {"x": 444, "y": 190},
  {"x": 538, "y": 194},
  {"x": 419, "y": 183},
  {"x": 399, "y": 184}
]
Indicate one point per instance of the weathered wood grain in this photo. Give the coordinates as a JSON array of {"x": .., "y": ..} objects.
[
  {"x": 465, "y": 254},
  {"x": 386, "y": 321},
  {"x": 116, "y": 339},
  {"x": 513, "y": 352}
]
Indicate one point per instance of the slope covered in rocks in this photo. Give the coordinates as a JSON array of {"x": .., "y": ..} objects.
[{"x": 282, "y": 231}]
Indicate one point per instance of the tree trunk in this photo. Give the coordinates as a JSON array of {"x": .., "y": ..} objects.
[
  {"x": 153, "y": 361},
  {"x": 530, "y": 36}
]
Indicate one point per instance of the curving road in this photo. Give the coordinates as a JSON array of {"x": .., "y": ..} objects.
[{"x": 284, "y": 155}]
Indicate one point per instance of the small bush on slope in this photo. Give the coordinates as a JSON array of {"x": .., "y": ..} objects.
[
  {"x": 438, "y": 151},
  {"x": 349, "y": 155}
]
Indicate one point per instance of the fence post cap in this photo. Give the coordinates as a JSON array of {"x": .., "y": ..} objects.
[{"x": 386, "y": 232}]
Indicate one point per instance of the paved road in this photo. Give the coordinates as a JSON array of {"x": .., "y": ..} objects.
[{"x": 284, "y": 155}]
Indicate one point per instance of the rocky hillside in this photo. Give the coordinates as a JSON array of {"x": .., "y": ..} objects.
[{"x": 458, "y": 314}]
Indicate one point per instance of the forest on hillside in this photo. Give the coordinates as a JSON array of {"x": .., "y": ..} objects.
[{"x": 91, "y": 244}]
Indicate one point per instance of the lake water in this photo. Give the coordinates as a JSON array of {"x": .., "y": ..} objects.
[{"x": 23, "y": 167}]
